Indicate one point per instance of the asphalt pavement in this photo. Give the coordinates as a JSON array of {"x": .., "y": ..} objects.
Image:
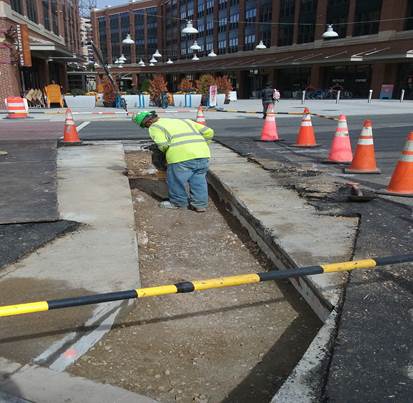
[
  {"x": 389, "y": 131},
  {"x": 29, "y": 169}
]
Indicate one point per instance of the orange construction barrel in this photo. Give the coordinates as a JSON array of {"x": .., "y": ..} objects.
[{"x": 17, "y": 108}]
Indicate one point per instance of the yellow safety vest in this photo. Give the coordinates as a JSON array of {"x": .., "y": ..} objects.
[{"x": 181, "y": 139}]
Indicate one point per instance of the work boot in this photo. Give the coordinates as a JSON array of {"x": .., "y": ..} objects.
[
  {"x": 198, "y": 209},
  {"x": 168, "y": 204}
]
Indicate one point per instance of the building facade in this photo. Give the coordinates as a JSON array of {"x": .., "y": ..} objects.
[
  {"x": 37, "y": 39},
  {"x": 374, "y": 46}
]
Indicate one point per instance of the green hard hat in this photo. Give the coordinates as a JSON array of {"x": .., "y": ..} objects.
[{"x": 140, "y": 117}]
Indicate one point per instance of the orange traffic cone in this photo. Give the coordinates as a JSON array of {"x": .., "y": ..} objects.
[
  {"x": 364, "y": 161},
  {"x": 269, "y": 130},
  {"x": 340, "y": 151},
  {"x": 401, "y": 183},
  {"x": 200, "y": 118},
  {"x": 70, "y": 131},
  {"x": 306, "y": 137}
]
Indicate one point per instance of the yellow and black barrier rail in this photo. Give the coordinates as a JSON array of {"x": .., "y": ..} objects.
[
  {"x": 201, "y": 285},
  {"x": 276, "y": 113}
]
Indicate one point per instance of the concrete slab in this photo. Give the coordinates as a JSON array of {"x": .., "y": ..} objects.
[
  {"x": 101, "y": 256},
  {"x": 302, "y": 237},
  {"x": 36, "y": 384}
]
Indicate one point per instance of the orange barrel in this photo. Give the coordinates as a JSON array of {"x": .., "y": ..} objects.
[{"x": 17, "y": 108}]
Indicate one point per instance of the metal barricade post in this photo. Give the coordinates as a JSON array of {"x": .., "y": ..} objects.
[
  {"x": 370, "y": 95},
  {"x": 338, "y": 96},
  {"x": 402, "y": 96}
]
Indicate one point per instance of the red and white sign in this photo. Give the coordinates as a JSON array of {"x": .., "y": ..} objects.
[{"x": 213, "y": 90}]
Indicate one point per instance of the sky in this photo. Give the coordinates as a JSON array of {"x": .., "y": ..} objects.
[{"x": 103, "y": 3}]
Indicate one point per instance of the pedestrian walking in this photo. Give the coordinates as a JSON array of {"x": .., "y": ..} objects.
[
  {"x": 164, "y": 100},
  {"x": 267, "y": 98},
  {"x": 276, "y": 95},
  {"x": 185, "y": 144}
]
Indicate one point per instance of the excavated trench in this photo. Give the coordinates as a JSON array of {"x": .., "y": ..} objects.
[{"x": 228, "y": 345}]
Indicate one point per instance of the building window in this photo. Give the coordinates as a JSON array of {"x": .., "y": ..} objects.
[
  {"x": 250, "y": 14},
  {"x": 209, "y": 24},
  {"x": 46, "y": 20},
  {"x": 308, "y": 9},
  {"x": 125, "y": 30},
  {"x": 222, "y": 4},
  {"x": 249, "y": 39},
  {"x": 32, "y": 10},
  {"x": 140, "y": 34},
  {"x": 223, "y": 20},
  {"x": 115, "y": 35},
  {"x": 201, "y": 25},
  {"x": 233, "y": 41},
  {"x": 285, "y": 30},
  {"x": 367, "y": 10},
  {"x": 208, "y": 43},
  {"x": 234, "y": 17},
  {"x": 152, "y": 29},
  {"x": 183, "y": 11},
  {"x": 201, "y": 8},
  {"x": 409, "y": 15},
  {"x": 190, "y": 6},
  {"x": 337, "y": 14},
  {"x": 16, "y": 5},
  {"x": 209, "y": 6},
  {"x": 55, "y": 17},
  {"x": 265, "y": 19},
  {"x": 222, "y": 42},
  {"x": 102, "y": 38}
]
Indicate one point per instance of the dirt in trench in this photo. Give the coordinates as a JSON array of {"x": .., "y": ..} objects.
[{"x": 228, "y": 345}]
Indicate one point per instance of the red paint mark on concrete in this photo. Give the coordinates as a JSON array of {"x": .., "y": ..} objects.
[{"x": 70, "y": 353}]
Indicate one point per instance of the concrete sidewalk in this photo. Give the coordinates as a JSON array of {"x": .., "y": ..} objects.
[
  {"x": 349, "y": 107},
  {"x": 30, "y": 383},
  {"x": 99, "y": 256}
]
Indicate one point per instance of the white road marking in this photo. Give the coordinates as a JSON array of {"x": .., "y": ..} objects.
[
  {"x": 99, "y": 312},
  {"x": 80, "y": 347},
  {"x": 82, "y": 125}
]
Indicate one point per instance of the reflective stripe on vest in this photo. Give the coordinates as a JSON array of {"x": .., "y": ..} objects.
[
  {"x": 185, "y": 141},
  {"x": 161, "y": 128}
]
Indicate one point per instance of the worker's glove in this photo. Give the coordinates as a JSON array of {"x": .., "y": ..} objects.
[{"x": 151, "y": 147}]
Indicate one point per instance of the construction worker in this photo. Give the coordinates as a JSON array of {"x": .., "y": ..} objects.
[
  {"x": 185, "y": 144},
  {"x": 267, "y": 98}
]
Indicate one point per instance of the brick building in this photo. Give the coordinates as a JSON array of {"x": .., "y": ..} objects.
[
  {"x": 37, "y": 39},
  {"x": 374, "y": 46}
]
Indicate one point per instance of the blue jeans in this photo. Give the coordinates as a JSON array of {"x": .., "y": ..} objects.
[{"x": 188, "y": 175}]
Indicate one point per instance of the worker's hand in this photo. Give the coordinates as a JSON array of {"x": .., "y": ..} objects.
[{"x": 134, "y": 116}]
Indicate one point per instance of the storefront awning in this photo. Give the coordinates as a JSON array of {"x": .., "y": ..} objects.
[
  {"x": 45, "y": 49},
  {"x": 279, "y": 58}
]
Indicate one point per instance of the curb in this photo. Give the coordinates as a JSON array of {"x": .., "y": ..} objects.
[{"x": 259, "y": 234}]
